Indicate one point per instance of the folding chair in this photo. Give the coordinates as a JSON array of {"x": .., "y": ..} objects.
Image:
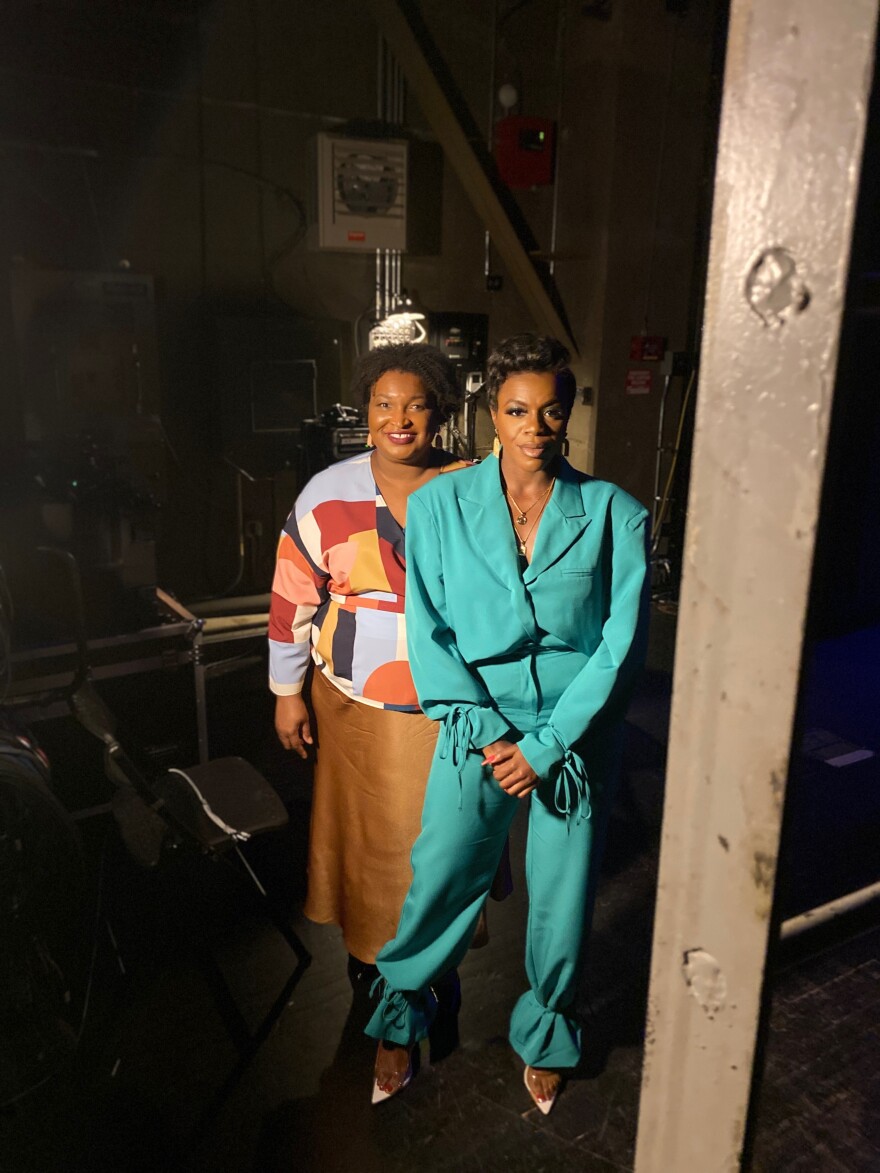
[{"x": 214, "y": 808}]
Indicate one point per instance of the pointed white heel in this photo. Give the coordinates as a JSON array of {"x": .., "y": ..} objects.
[
  {"x": 379, "y": 1094},
  {"x": 543, "y": 1105}
]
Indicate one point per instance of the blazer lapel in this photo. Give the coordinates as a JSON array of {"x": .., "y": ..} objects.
[
  {"x": 485, "y": 512},
  {"x": 563, "y": 522}
]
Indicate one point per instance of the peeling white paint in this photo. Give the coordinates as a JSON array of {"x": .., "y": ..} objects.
[
  {"x": 705, "y": 980},
  {"x": 774, "y": 288}
]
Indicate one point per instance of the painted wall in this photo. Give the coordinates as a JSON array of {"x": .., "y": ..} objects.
[{"x": 177, "y": 137}]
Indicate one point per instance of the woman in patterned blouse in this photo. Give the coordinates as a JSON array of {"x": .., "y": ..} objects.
[{"x": 338, "y": 602}]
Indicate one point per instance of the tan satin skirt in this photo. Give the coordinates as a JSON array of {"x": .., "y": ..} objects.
[{"x": 371, "y": 769}]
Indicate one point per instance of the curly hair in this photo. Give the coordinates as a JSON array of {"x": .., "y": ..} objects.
[
  {"x": 413, "y": 358},
  {"x": 536, "y": 353}
]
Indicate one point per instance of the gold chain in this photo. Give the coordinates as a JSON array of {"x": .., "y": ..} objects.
[
  {"x": 523, "y": 513},
  {"x": 521, "y": 541}
]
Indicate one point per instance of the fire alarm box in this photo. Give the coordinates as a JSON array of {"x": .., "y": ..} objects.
[
  {"x": 647, "y": 348},
  {"x": 524, "y": 149}
]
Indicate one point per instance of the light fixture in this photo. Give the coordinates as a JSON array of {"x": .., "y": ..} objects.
[
  {"x": 403, "y": 324},
  {"x": 507, "y": 96}
]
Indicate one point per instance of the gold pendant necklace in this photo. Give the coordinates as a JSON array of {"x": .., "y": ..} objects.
[
  {"x": 522, "y": 514},
  {"x": 521, "y": 542}
]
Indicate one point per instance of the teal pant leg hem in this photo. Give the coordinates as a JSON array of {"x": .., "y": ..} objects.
[
  {"x": 403, "y": 1017},
  {"x": 543, "y": 1037}
]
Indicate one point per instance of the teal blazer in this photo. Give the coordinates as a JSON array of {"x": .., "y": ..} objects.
[{"x": 469, "y": 606}]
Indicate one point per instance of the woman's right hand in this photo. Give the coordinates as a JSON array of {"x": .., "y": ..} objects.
[
  {"x": 292, "y": 723},
  {"x": 510, "y": 769}
]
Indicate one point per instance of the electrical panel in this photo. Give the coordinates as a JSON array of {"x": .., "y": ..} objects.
[
  {"x": 462, "y": 337},
  {"x": 362, "y": 193}
]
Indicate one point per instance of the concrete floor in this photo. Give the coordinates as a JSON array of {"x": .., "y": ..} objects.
[{"x": 140, "y": 1092}]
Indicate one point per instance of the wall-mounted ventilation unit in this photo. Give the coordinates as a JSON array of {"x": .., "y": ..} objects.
[{"x": 362, "y": 189}]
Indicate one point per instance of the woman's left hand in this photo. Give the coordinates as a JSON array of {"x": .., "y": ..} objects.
[{"x": 511, "y": 770}]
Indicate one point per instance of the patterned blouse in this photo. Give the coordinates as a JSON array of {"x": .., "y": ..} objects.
[{"x": 339, "y": 588}]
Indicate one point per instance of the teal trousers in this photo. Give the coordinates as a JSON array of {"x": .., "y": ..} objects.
[{"x": 465, "y": 822}]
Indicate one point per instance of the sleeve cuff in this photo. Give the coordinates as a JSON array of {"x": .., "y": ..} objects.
[
  {"x": 542, "y": 751},
  {"x": 487, "y": 725},
  {"x": 285, "y": 689}
]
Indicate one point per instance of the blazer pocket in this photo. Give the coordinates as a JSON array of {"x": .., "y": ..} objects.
[{"x": 579, "y": 571}]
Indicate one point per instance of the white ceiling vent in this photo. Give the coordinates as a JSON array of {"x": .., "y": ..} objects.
[{"x": 361, "y": 193}]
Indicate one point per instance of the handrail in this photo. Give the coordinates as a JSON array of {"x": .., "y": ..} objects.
[{"x": 824, "y": 913}]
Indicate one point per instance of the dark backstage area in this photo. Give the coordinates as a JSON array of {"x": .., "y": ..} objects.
[{"x": 215, "y": 215}]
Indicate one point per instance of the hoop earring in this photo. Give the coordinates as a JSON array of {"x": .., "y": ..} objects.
[{"x": 565, "y": 447}]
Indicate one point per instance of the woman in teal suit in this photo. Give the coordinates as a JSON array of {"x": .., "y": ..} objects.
[{"x": 525, "y": 612}]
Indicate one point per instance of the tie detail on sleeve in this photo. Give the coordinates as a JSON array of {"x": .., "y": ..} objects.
[
  {"x": 573, "y": 788},
  {"x": 456, "y": 736}
]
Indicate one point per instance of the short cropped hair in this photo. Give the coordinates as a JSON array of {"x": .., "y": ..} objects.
[
  {"x": 527, "y": 353},
  {"x": 412, "y": 358}
]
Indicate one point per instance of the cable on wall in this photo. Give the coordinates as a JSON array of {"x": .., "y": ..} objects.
[{"x": 655, "y": 211}]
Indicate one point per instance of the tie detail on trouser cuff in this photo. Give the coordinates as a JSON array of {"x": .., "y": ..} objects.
[
  {"x": 402, "y": 1016},
  {"x": 543, "y": 1037}
]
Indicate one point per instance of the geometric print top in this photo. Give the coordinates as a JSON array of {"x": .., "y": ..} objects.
[{"x": 339, "y": 590}]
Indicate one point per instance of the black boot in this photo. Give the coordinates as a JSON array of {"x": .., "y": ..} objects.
[
  {"x": 361, "y": 974},
  {"x": 443, "y": 1035}
]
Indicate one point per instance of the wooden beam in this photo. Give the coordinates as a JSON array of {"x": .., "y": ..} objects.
[{"x": 405, "y": 45}]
